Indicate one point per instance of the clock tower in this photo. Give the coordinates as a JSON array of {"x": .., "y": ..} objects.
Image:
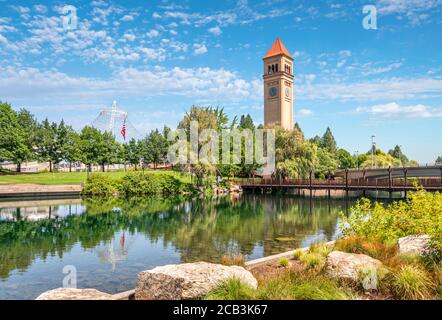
[{"x": 278, "y": 86}]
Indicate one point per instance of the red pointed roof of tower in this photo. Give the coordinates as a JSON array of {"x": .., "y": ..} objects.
[{"x": 277, "y": 48}]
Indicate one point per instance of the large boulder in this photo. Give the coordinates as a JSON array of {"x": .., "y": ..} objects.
[
  {"x": 187, "y": 280},
  {"x": 74, "y": 294},
  {"x": 351, "y": 266},
  {"x": 417, "y": 244}
]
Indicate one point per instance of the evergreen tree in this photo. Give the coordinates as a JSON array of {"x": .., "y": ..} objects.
[
  {"x": 398, "y": 154},
  {"x": 246, "y": 122},
  {"x": 328, "y": 142}
]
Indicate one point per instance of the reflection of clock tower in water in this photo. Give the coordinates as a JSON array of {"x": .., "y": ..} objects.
[{"x": 278, "y": 86}]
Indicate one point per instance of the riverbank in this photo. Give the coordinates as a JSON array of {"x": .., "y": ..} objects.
[{"x": 37, "y": 190}]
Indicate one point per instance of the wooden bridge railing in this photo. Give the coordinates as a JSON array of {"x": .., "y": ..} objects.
[{"x": 395, "y": 183}]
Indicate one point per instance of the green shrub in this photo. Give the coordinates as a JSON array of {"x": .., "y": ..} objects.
[
  {"x": 299, "y": 286},
  {"x": 420, "y": 213},
  {"x": 232, "y": 289},
  {"x": 313, "y": 260},
  {"x": 284, "y": 262},
  {"x": 320, "y": 248},
  {"x": 99, "y": 185},
  {"x": 136, "y": 183},
  {"x": 297, "y": 253},
  {"x": 411, "y": 282}
]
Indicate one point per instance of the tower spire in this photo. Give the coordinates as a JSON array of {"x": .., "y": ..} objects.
[{"x": 277, "y": 48}]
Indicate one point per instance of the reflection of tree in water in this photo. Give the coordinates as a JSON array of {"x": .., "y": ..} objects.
[{"x": 202, "y": 229}]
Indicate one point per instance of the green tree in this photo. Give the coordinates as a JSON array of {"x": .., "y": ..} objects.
[
  {"x": 13, "y": 145},
  {"x": 154, "y": 148},
  {"x": 345, "y": 159},
  {"x": 108, "y": 150},
  {"x": 294, "y": 156},
  {"x": 132, "y": 152},
  {"x": 246, "y": 122},
  {"x": 70, "y": 145},
  {"x": 30, "y": 128},
  {"x": 326, "y": 162},
  {"x": 439, "y": 160},
  {"x": 398, "y": 154},
  {"x": 47, "y": 145},
  {"x": 91, "y": 146},
  {"x": 328, "y": 142}
]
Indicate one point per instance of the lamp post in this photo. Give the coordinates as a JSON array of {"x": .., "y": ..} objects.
[
  {"x": 373, "y": 146},
  {"x": 357, "y": 158}
]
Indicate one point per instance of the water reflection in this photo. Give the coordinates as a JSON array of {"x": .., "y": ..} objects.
[{"x": 110, "y": 240}]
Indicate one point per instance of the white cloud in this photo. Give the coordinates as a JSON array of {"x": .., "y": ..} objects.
[
  {"x": 31, "y": 84},
  {"x": 129, "y": 37},
  {"x": 394, "y": 110},
  {"x": 215, "y": 31},
  {"x": 153, "y": 33},
  {"x": 40, "y": 8},
  {"x": 199, "y": 49},
  {"x": 305, "y": 112},
  {"x": 127, "y": 18},
  {"x": 388, "y": 89},
  {"x": 414, "y": 10},
  {"x": 371, "y": 70}
]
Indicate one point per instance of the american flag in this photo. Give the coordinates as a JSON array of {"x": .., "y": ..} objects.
[{"x": 123, "y": 130}]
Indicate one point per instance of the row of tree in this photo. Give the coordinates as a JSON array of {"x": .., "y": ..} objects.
[{"x": 23, "y": 138}]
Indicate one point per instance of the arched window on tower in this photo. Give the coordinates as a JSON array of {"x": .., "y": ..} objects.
[
  {"x": 270, "y": 70},
  {"x": 276, "y": 68},
  {"x": 273, "y": 68}
]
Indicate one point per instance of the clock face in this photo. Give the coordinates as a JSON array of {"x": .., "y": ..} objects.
[
  {"x": 287, "y": 92},
  {"x": 273, "y": 91}
]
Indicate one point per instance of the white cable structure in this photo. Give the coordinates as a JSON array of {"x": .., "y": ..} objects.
[{"x": 116, "y": 121}]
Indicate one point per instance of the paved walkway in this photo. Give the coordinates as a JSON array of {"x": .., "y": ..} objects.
[{"x": 38, "y": 189}]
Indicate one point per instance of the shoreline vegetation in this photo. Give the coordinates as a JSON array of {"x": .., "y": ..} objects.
[
  {"x": 372, "y": 230},
  {"x": 139, "y": 183}
]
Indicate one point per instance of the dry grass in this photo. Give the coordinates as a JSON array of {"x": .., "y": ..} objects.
[
  {"x": 374, "y": 249},
  {"x": 236, "y": 259}
]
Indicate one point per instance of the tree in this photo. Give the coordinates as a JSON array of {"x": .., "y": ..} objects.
[
  {"x": 328, "y": 141},
  {"x": 132, "y": 152},
  {"x": 381, "y": 160},
  {"x": 246, "y": 122},
  {"x": 98, "y": 147},
  {"x": 297, "y": 127},
  {"x": 439, "y": 160},
  {"x": 29, "y": 125},
  {"x": 108, "y": 150},
  {"x": 154, "y": 148},
  {"x": 70, "y": 145},
  {"x": 327, "y": 162},
  {"x": 294, "y": 156},
  {"x": 47, "y": 146},
  {"x": 12, "y": 137},
  {"x": 398, "y": 154},
  {"x": 345, "y": 159}
]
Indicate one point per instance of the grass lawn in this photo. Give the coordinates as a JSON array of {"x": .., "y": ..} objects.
[{"x": 54, "y": 178}]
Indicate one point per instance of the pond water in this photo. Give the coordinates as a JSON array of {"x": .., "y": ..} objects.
[{"x": 108, "y": 241}]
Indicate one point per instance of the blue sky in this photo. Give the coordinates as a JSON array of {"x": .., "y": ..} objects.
[{"x": 157, "y": 58}]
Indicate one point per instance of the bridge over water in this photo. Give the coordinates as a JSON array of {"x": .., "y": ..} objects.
[{"x": 377, "y": 179}]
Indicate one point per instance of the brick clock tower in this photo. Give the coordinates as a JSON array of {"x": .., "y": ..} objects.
[{"x": 278, "y": 87}]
